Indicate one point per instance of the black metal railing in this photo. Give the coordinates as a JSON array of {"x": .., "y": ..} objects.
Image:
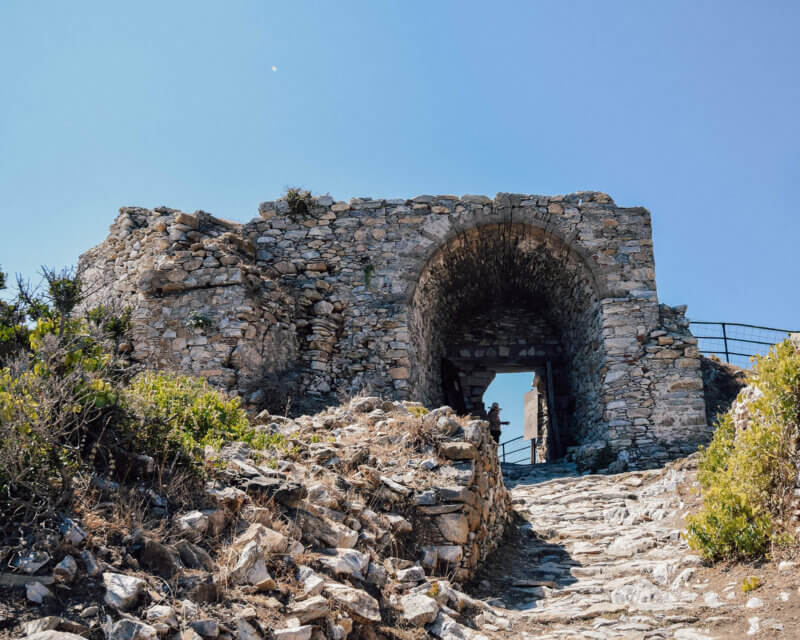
[
  {"x": 734, "y": 341},
  {"x": 520, "y": 453}
]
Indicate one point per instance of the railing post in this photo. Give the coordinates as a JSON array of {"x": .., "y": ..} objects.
[
  {"x": 725, "y": 340},
  {"x": 504, "y": 451}
]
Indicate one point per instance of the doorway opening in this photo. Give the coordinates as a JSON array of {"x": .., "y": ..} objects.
[{"x": 504, "y": 299}]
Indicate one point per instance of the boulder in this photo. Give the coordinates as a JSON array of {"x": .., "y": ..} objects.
[
  {"x": 270, "y": 541},
  {"x": 310, "y": 609},
  {"x": 162, "y": 559},
  {"x": 38, "y": 593},
  {"x": 312, "y": 583},
  {"x": 419, "y": 609},
  {"x": 348, "y": 562},
  {"x": 122, "y": 591},
  {"x": 246, "y": 631},
  {"x": 193, "y": 525},
  {"x": 65, "y": 570},
  {"x": 355, "y": 601},
  {"x": 194, "y": 557},
  {"x": 302, "y": 632},
  {"x": 454, "y": 527},
  {"x": 53, "y": 635},
  {"x": 128, "y": 629},
  {"x": 251, "y": 568},
  {"x": 458, "y": 450},
  {"x": 207, "y": 627}
]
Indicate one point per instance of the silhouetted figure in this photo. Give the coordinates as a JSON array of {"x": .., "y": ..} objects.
[{"x": 495, "y": 425}]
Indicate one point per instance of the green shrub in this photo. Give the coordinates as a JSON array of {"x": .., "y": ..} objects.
[
  {"x": 69, "y": 408},
  {"x": 299, "y": 201},
  {"x": 13, "y": 332},
  {"x": 747, "y": 476},
  {"x": 52, "y": 403},
  {"x": 114, "y": 324},
  {"x": 185, "y": 413}
]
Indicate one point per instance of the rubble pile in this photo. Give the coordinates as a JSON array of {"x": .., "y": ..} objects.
[{"x": 366, "y": 523}]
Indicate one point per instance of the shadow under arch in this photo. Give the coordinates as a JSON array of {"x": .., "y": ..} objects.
[{"x": 509, "y": 297}]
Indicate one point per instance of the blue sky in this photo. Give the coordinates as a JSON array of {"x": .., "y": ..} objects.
[{"x": 688, "y": 108}]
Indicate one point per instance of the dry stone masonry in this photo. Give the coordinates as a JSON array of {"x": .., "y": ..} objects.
[
  {"x": 424, "y": 299},
  {"x": 375, "y": 514}
]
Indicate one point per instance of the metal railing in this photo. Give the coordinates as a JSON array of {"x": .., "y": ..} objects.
[
  {"x": 525, "y": 458},
  {"x": 735, "y": 341}
]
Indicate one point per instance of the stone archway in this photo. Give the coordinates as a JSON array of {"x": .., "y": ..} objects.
[
  {"x": 509, "y": 297},
  {"x": 393, "y": 296}
]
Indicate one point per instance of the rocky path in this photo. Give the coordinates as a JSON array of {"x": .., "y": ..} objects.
[{"x": 601, "y": 557}]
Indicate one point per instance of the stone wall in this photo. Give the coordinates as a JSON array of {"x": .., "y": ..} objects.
[
  {"x": 489, "y": 343},
  {"x": 462, "y": 517},
  {"x": 377, "y": 295}
]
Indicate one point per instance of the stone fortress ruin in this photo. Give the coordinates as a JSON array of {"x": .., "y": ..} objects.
[{"x": 425, "y": 299}]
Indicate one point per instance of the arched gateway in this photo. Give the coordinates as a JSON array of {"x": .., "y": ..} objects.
[
  {"x": 425, "y": 299},
  {"x": 510, "y": 297}
]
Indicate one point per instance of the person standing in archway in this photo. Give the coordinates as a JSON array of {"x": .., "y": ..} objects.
[{"x": 495, "y": 425}]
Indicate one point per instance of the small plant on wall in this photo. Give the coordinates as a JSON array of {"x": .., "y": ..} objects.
[
  {"x": 199, "y": 320},
  {"x": 369, "y": 271},
  {"x": 299, "y": 201}
]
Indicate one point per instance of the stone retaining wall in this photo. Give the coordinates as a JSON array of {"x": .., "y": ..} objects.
[{"x": 461, "y": 521}]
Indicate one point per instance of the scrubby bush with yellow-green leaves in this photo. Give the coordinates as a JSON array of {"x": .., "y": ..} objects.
[
  {"x": 56, "y": 397},
  {"x": 748, "y": 471},
  {"x": 70, "y": 408},
  {"x": 181, "y": 413}
]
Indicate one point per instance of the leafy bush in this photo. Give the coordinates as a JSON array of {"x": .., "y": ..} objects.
[
  {"x": 181, "y": 413},
  {"x": 13, "y": 332},
  {"x": 748, "y": 474},
  {"x": 70, "y": 408},
  {"x": 54, "y": 404},
  {"x": 114, "y": 324}
]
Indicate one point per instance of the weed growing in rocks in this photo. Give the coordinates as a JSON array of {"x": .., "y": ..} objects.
[
  {"x": 299, "y": 201},
  {"x": 750, "y": 583}
]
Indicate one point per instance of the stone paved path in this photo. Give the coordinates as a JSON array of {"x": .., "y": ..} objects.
[{"x": 597, "y": 557}]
